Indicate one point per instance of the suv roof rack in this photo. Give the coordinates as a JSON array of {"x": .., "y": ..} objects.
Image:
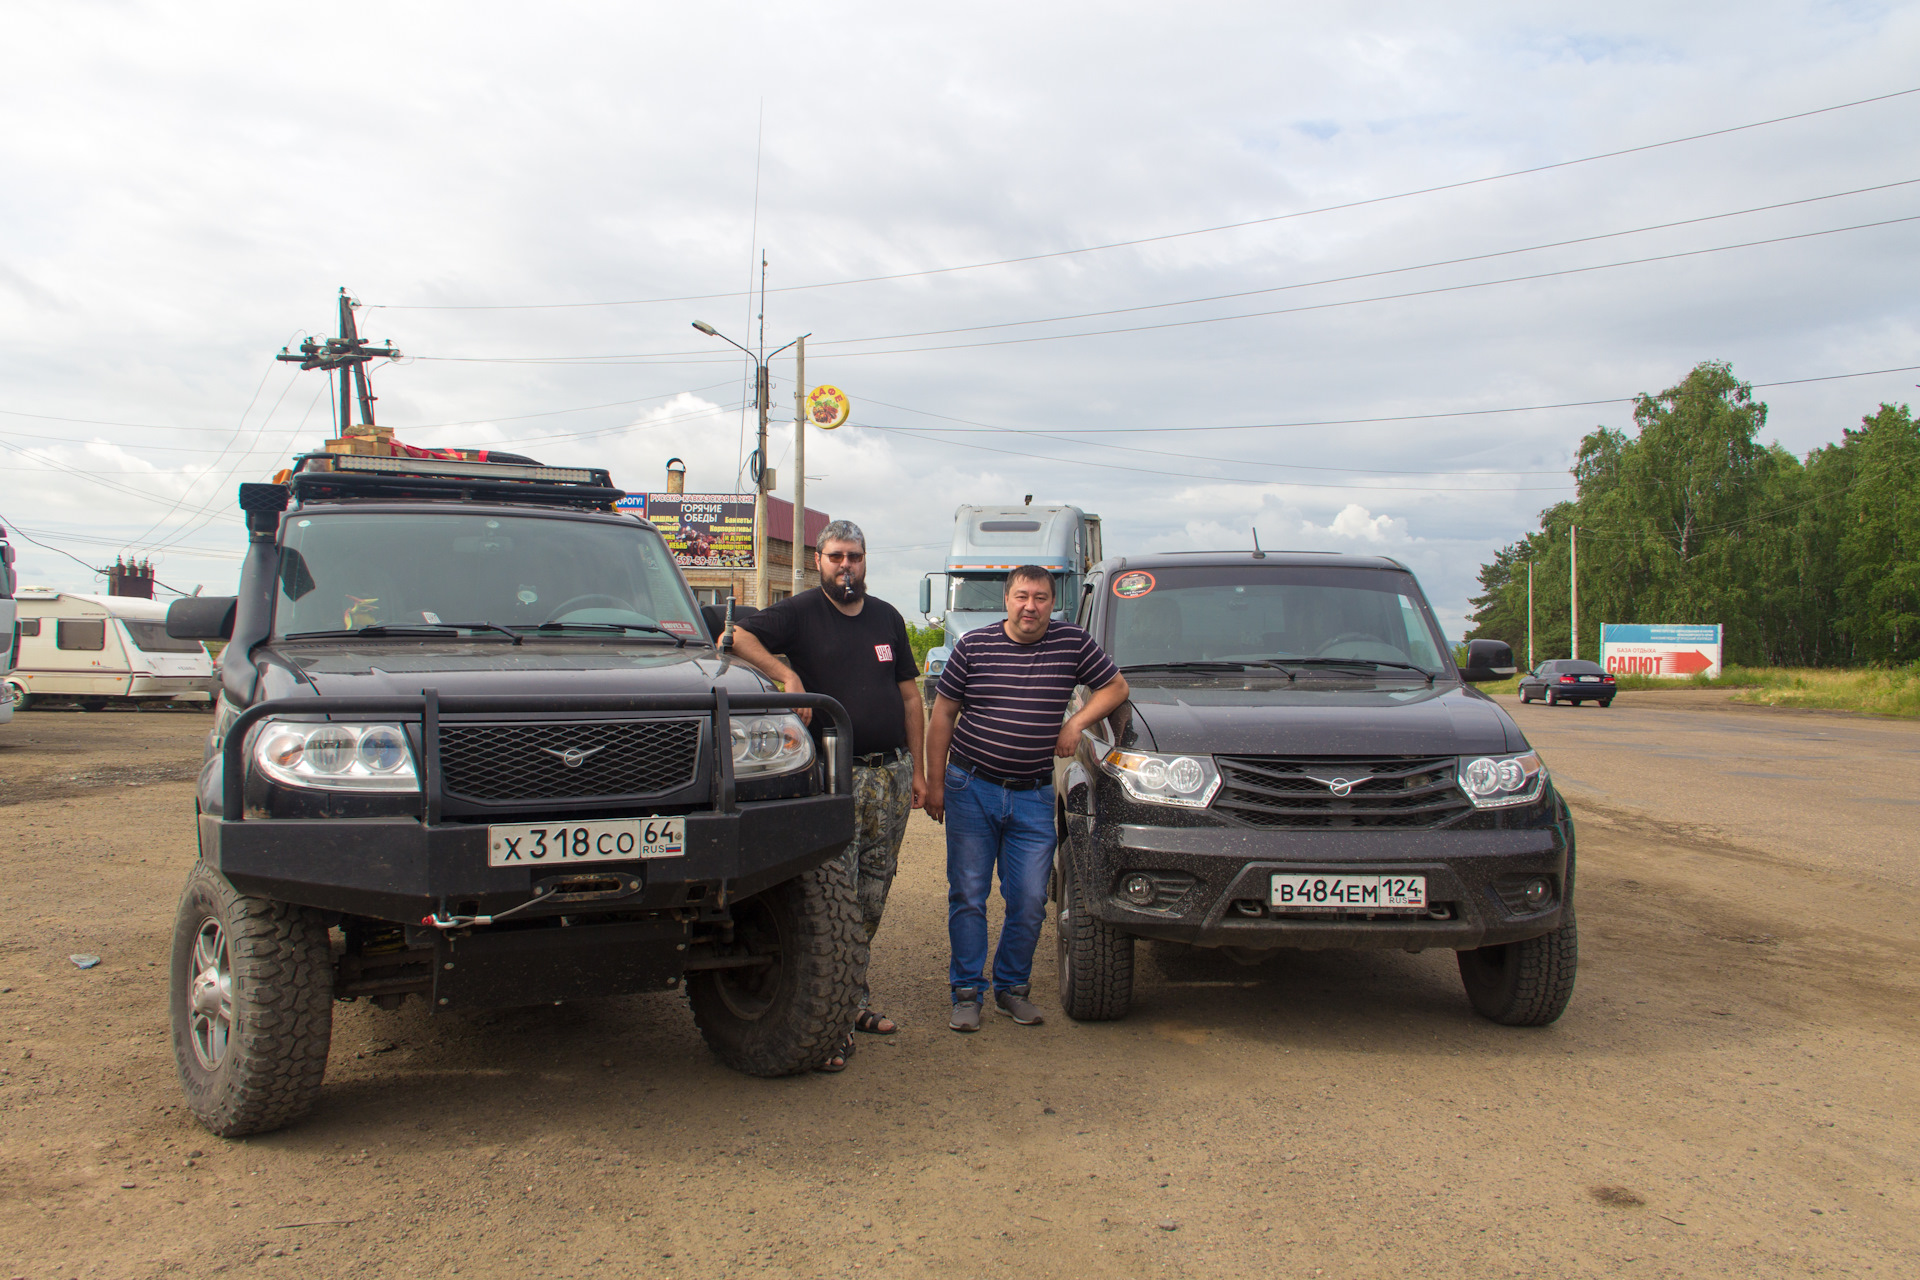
[{"x": 364, "y": 476}]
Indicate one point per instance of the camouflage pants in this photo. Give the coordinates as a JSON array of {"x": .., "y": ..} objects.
[{"x": 882, "y": 798}]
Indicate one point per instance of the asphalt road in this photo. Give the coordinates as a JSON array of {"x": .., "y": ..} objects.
[{"x": 1731, "y": 1092}]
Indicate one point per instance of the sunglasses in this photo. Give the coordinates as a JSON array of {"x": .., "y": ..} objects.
[{"x": 848, "y": 557}]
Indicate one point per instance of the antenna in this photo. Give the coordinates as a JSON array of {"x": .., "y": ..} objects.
[{"x": 1258, "y": 554}]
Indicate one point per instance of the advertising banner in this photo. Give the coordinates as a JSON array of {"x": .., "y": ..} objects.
[
  {"x": 705, "y": 530},
  {"x": 1660, "y": 649}
]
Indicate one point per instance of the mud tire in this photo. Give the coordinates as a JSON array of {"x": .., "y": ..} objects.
[
  {"x": 279, "y": 968},
  {"x": 1524, "y": 984},
  {"x": 1096, "y": 960},
  {"x": 792, "y": 1015}
]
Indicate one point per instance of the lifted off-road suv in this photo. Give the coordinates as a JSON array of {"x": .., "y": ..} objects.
[
  {"x": 1301, "y": 764},
  {"x": 475, "y": 744}
]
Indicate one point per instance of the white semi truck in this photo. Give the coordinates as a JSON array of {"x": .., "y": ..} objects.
[{"x": 989, "y": 543}]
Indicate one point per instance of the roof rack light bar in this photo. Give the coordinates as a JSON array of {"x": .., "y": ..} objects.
[{"x": 470, "y": 470}]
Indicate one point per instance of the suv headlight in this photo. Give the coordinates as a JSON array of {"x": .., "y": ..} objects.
[
  {"x": 1187, "y": 782},
  {"x": 1495, "y": 782},
  {"x": 336, "y": 757},
  {"x": 764, "y": 745}
]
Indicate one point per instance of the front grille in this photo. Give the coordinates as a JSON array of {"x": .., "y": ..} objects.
[
  {"x": 1386, "y": 791},
  {"x": 519, "y": 762}
]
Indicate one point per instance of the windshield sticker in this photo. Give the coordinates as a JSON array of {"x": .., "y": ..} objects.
[
  {"x": 1131, "y": 586},
  {"x": 678, "y": 627}
]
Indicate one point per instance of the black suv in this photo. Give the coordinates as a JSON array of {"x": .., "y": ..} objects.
[
  {"x": 1568, "y": 680},
  {"x": 1301, "y": 764},
  {"x": 475, "y": 743}
]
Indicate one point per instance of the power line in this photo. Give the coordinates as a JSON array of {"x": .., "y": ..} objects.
[
  {"x": 1176, "y": 235},
  {"x": 1390, "y": 271},
  {"x": 1188, "y": 475},
  {"x": 1347, "y": 422},
  {"x": 1354, "y": 302},
  {"x": 1437, "y": 290}
]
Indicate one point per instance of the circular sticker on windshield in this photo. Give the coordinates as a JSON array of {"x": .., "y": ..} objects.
[{"x": 1130, "y": 585}]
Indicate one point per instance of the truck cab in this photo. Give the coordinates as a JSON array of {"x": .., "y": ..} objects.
[{"x": 989, "y": 543}]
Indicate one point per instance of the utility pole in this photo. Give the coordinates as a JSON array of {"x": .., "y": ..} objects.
[
  {"x": 1573, "y": 578},
  {"x": 1529, "y": 615},
  {"x": 800, "y": 467},
  {"x": 762, "y": 572},
  {"x": 348, "y": 354}
]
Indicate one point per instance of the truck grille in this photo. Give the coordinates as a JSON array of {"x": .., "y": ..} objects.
[
  {"x": 1385, "y": 791},
  {"x": 529, "y": 761}
]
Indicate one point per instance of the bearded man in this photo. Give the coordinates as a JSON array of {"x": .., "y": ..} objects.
[{"x": 840, "y": 641}]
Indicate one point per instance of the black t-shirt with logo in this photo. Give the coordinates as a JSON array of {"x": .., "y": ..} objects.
[{"x": 859, "y": 661}]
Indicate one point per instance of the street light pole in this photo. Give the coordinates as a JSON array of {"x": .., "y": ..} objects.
[
  {"x": 762, "y": 395},
  {"x": 800, "y": 466}
]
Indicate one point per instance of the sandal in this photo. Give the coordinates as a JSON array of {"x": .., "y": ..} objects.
[
  {"x": 870, "y": 1022},
  {"x": 837, "y": 1060}
]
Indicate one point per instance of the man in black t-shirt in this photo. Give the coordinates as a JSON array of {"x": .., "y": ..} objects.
[{"x": 839, "y": 641}]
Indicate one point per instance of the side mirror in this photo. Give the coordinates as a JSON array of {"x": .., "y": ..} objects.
[
  {"x": 1487, "y": 660},
  {"x": 926, "y": 596},
  {"x": 202, "y": 618}
]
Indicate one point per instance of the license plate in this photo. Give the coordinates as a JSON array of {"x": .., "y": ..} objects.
[
  {"x": 546, "y": 843},
  {"x": 1589, "y": 679},
  {"x": 1349, "y": 893}
]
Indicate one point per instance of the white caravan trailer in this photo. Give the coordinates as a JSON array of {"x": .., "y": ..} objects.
[
  {"x": 6, "y": 626},
  {"x": 100, "y": 649}
]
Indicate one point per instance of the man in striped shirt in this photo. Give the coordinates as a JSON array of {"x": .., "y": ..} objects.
[{"x": 999, "y": 719}]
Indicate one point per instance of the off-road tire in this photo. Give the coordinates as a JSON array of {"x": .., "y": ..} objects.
[
  {"x": 1524, "y": 984},
  {"x": 792, "y": 1015},
  {"x": 280, "y": 969},
  {"x": 1096, "y": 960}
]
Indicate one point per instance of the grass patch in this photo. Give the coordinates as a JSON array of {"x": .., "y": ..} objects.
[
  {"x": 1885, "y": 691},
  {"x": 1880, "y": 691}
]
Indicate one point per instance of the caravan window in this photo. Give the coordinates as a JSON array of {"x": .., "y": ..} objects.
[
  {"x": 81, "y": 633},
  {"x": 29, "y": 626},
  {"x": 152, "y": 637}
]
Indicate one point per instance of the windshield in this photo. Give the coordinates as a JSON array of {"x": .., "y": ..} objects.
[
  {"x": 348, "y": 570},
  {"x": 1248, "y": 613},
  {"x": 989, "y": 595}
]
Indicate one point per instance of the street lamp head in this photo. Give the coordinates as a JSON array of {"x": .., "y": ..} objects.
[{"x": 706, "y": 328}]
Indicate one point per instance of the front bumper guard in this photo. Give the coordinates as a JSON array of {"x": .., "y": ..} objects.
[{"x": 406, "y": 869}]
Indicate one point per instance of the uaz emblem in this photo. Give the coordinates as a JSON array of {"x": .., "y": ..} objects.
[
  {"x": 1339, "y": 786},
  {"x": 573, "y": 757}
]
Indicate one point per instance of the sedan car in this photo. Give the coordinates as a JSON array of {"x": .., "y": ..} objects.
[{"x": 1568, "y": 680}]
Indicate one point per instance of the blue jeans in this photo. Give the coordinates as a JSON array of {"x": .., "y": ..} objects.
[{"x": 990, "y": 827}]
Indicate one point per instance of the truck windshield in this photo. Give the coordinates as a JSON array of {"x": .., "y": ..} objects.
[
  {"x": 1248, "y": 613},
  {"x": 978, "y": 595},
  {"x": 989, "y": 595},
  {"x": 347, "y": 570}
]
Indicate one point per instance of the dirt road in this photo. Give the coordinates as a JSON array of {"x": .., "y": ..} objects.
[{"x": 1731, "y": 1093}]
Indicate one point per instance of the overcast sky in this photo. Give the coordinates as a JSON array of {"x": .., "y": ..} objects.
[{"x": 187, "y": 187}]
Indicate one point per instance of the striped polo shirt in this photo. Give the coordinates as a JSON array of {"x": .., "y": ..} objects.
[{"x": 1013, "y": 696}]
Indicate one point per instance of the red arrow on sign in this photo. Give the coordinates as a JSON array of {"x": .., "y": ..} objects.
[{"x": 1686, "y": 664}]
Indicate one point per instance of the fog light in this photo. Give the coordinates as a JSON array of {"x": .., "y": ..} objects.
[
  {"x": 1138, "y": 890},
  {"x": 1536, "y": 892}
]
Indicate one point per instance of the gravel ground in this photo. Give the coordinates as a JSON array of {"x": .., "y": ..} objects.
[{"x": 1731, "y": 1092}]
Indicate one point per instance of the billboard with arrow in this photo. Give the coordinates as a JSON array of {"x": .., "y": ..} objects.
[{"x": 1657, "y": 649}]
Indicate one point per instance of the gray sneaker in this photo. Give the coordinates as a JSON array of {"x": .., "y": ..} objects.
[
  {"x": 1014, "y": 1003},
  {"x": 966, "y": 1010}
]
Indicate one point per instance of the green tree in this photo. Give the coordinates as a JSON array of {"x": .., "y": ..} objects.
[{"x": 1879, "y": 547}]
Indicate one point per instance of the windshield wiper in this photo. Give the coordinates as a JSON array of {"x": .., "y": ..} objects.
[
  {"x": 406, "y": 629},
  {"x": 1363, "y": 662},
  {"x": 1206, "y": 665},
  {"x": 679, "y": 641}
]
